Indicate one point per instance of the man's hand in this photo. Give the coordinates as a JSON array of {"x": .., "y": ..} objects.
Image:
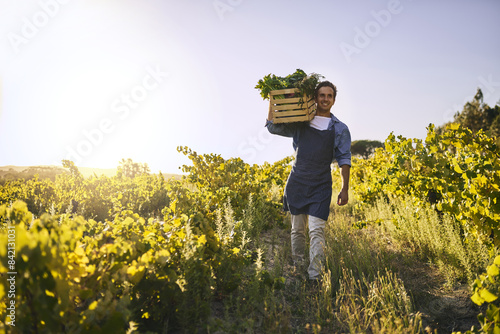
[
  {"x": 343, "y": 197},
  {"x": 345, "y": 171}
]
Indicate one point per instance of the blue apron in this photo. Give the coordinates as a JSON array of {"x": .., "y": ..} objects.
[{"x": 309, "y": 186}]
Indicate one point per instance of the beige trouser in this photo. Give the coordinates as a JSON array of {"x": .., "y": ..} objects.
[{"x": 317, "y": 242}]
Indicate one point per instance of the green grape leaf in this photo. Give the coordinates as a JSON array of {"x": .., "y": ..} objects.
[
  {"x": 487, "y": 295},
  {"x": 493, "y": 270},
  {"x": 477, "y": 299}
]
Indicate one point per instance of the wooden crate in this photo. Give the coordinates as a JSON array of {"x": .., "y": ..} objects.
[{"x": 289, "y": 109}]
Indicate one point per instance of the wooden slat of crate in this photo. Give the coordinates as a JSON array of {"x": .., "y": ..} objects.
[
  {"x": 289, "y": 110},
  {"x": 290, "y": 116},
  {"x": 304, "y": 107},
  {"x": 284, "y": 91},
  {"x": 290, "y": 119},
  {"x": 294, "y": 115}
]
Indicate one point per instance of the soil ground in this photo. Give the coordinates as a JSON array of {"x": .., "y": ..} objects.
[{"x": 444, "y": 309}]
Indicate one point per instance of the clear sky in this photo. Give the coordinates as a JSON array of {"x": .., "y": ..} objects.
[{"x": 96, "y": 81}]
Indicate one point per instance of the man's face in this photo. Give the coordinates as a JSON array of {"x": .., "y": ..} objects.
[{"x": 325, "y": 99}]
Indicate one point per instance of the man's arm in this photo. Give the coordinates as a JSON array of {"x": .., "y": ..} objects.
[
  {"x": 345, "y": 172},
  {"x": 281, "y": 129},
  {"x": 343, "y": 156}
]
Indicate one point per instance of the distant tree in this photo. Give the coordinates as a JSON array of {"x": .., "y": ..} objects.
[
  {"x": 129, "y": 168},
  {"x": 10, "y": 175},
  {"x": 477, "y": 115},
  {"x": 365, "y": 148},
  {"x": 73, "y": 170},
  {"x": 495, "y": 125}
]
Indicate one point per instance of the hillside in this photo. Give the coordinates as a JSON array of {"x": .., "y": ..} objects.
[{"x": 13, "y": 172}]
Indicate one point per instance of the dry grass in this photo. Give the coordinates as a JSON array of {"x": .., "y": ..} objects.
[{"x": 408, "y": 273}]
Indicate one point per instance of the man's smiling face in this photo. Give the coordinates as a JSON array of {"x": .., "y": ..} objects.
[{"x": 324, "y": 100}]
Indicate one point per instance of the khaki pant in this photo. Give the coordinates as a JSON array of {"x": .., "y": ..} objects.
[{"x": 317, "y": 243}]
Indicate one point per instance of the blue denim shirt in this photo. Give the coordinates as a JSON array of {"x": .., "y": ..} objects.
[{"x": 342, "y": 145}]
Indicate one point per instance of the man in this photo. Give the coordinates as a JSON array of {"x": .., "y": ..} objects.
[{"x": 308, "y": 190}]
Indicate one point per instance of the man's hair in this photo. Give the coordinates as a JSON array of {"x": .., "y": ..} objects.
[{"x": 325, "y": 84}]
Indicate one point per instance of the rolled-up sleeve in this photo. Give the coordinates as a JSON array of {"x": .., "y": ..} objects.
[
  {"x": 281, "y": 129},
  {"x": 343, "y": 147}
]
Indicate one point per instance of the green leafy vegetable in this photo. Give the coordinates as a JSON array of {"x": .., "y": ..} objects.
[{"x": 305, "y": 83}]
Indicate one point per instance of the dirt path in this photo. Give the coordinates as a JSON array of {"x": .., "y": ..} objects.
[{"x": 444, "y": 310}]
